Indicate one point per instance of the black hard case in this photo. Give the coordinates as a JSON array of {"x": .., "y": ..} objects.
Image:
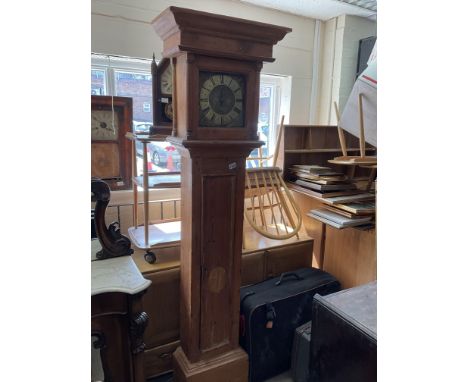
[
  {"x": 300, "y": 359},
  {"x": 344, "y": 336},
  {"x": 287, "y": 302}
]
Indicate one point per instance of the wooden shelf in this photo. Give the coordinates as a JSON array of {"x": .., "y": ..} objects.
[
  {"x": 160, "y": 235},
  {"x": 312, "y": 194},
  {"x": 331, "y": 150},
  {"x": 312, "y": 126},
  {"x": 159, "y": 181},
  {"x": 146, "y": 137}
]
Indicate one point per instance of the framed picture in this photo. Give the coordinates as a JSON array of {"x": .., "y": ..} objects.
[{"x": 111, "y": 120}]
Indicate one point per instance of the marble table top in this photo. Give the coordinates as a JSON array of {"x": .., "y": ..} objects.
[{"x": 119, "y": 274}]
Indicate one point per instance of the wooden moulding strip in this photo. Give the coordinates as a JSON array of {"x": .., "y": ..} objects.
[
  {"x": 252, "y": 197},
  {"x": 284, "y": 202},
  {"x": 340, "y": 131},
  {"x": 362, "y": 141},
  {"x": 273, "y": 217},
  {"x": 260, "y": 203},
  {"x": 135, "y": 187},
  {"x": 278, "y": 140},
  {"x": 174, "y": 98},
  {"x": 145, "y": 192},
  {"x": 278, "y": 200},
  {"x": 294, "y": 224}
]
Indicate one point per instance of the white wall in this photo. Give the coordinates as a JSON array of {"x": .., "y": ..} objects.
[
  {"x": 340, "y": 44},
  {"x": 355, "y": 29},
  {"x": 124, "y": 27}
]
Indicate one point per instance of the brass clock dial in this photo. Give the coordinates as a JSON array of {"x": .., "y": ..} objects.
[
  {"x": 103, "y": 126},
  {"x": 168, "y": 112},
  {"x": 166, "y": 81},
  {"x": 221, "y": 100}
]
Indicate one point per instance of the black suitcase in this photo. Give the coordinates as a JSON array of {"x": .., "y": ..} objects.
[
  {"x": 344, "y": 336},
  {"x": 270, "y": 313}
]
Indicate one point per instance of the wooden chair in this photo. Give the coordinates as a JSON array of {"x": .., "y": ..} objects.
[{"x": 269, "y": 205}]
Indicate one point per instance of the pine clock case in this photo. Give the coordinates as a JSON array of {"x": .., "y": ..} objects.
[
  {"x": 212, "y": 184},
  {"x": 111, "y": 159}
]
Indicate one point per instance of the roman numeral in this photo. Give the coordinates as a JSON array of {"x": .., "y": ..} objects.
[
  {"x": 208, "y": 85},
  {"x": 209, "y": 115}
]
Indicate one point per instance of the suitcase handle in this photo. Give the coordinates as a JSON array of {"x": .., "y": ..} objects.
[
  {"x": 287, "y": 274},
  {"x": 248, "y": 294}
]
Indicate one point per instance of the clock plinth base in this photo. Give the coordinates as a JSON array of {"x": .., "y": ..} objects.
[{"x": 232, "y": 366}]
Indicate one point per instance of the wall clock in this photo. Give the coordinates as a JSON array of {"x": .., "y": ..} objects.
[
  {"x": 162, "y": 97},
  {"x": 104, "y": 125},
  {"x": 111, "y": 119}
]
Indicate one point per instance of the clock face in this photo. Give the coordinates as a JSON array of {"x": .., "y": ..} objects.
[
  {"x": 103, "y": 126},
  {"x": 221, "y": 100},
  {"x": 166, "y": 80}
]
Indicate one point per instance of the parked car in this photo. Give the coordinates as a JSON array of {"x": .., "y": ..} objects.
[
  {"x": 160, "y": 153},
  {"x": 141, "y": 127}
]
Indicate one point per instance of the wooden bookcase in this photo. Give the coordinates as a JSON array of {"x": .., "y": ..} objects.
[
  {"x": 348, "y": 254},
  {"x": 316, "y": 144}
]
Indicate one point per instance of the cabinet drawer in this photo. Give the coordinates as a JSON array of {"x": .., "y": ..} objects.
[
  {"x": 161, "y": 302},
  {"x": 253, "y": 268},
  {"x": 159, "y": 360},
  {"x": 288, "y": 258}
]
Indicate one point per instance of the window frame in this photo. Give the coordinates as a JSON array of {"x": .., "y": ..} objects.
[{"x": 281, "y": 85}]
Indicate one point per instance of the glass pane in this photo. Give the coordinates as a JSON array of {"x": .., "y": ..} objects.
[
  {"x": 137, "y": 86},
  {"x": 265, "y": 112},
  {"x": 263, "y": 127},
  {"x": 162, "y": 157},
  {"x": 98, "y": 82}
]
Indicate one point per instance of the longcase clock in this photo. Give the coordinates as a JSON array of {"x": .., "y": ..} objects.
[
  {"x": 217, "y": 70},
  {"x": 111, "y": 119}
]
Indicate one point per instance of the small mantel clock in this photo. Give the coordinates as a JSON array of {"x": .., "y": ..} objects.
[
  {"x": 217, "y": 71},
  {"x": 111, "y": 119}
]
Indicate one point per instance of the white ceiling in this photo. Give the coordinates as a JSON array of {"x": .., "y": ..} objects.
[{"x": 321, "y": 9}]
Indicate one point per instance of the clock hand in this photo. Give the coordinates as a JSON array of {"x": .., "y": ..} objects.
[{"x": 221, "y": 97}]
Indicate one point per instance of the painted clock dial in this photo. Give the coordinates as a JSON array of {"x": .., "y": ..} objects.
[
  {"x": 221, "y": 100},
  {"x": 103, "y": 126},
  {"x": 166, "y": 81}
]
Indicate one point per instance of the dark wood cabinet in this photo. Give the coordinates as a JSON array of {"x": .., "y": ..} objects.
[{"x": 118, "y": 320}]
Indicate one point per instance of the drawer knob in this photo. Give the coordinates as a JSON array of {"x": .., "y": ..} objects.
[{"x": 165, "y": 355}]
